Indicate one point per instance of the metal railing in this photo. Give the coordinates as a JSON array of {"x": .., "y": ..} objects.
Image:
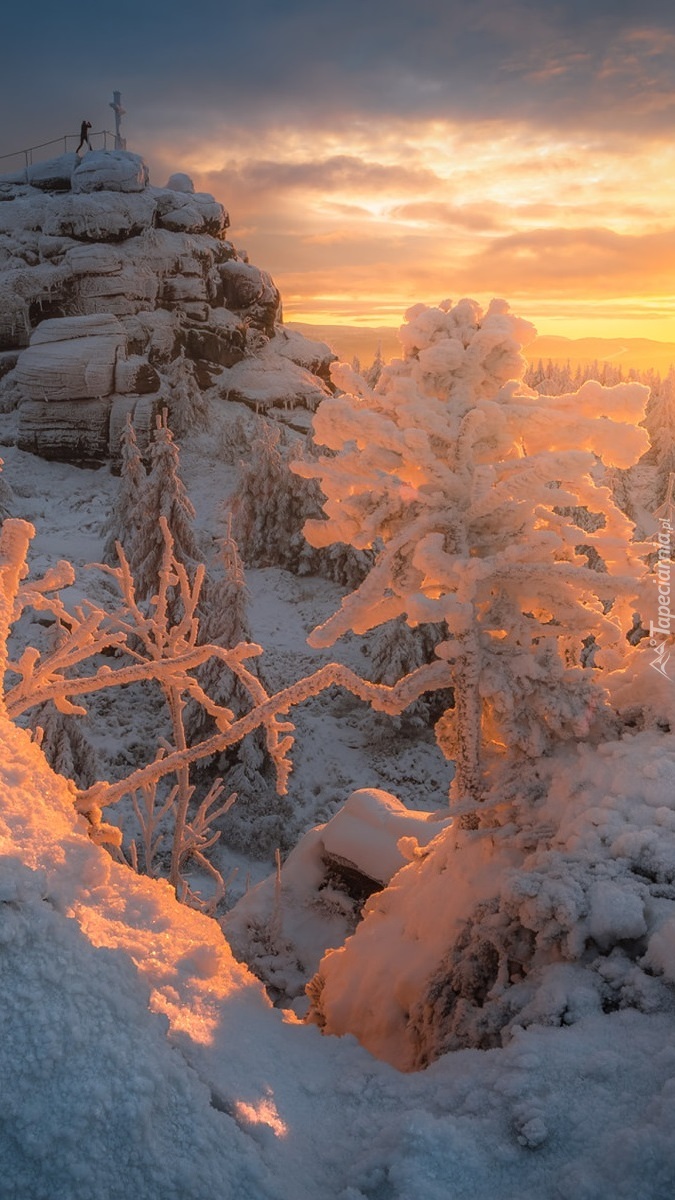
[{"x": 74, "y": 138}]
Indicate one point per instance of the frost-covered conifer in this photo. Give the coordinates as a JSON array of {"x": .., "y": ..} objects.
[
  {"x": 164, "y": 495},
  {"x": 463, "y": 475},
  {"x": 187, "y": 404},
  {"x": 660, "y": 423},
  {"x": 122, "y": 525},
  {"x": 65, "y": 745},
  {"x": 5, "y": 496},
  {"x": 269, "y": 508},
  {"x": 375, "y": 369},
  {"x": 223, "y": 622}
]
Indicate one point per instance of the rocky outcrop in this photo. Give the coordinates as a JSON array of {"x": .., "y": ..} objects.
[{"x": 107, "y": 282}]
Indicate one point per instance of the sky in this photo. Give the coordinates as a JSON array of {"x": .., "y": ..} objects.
[{"x": 377, "y": 153}]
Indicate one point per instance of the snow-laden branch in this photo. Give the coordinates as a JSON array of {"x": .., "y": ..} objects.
[{"x": 392, "y": 700}]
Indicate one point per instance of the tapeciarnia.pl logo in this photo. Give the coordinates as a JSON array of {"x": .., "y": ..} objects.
[{"x": 660, "y": 630}]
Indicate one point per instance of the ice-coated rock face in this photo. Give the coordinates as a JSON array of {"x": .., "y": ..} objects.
[
  {"x": 110, "y": 171},
  {"x": 107, "y": 284}
]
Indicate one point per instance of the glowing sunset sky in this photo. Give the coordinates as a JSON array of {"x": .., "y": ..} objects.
[{"x": 376, "y": 153}]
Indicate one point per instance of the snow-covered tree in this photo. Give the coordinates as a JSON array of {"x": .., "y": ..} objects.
[
  {"x": 164, "y": 495},
  {"x": 187, "y": 403},
  {"x": 375, "y": 369},
  {"x": 269, "y": 508},
  {"x": 122, "y": 524},
  {"x": 65, "y": 744},
  {"x": 223, "y": 622},
  {"x": 660, "y": 424},
  {"x": 464, "y": 476}
]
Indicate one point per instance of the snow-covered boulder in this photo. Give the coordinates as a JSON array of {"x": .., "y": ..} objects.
[
  {"x": 190, "y": 212},
  {"x": 374, "y": 834},
  {"x": 136, "y": 374},
  {"x": 110, "y": 171},
  {"x": 71, "y": 359},
  {"x": 99, "y": 216},
  {"x": 220, "y": 340},
  {"x": 72, "y": 431},
  {"x": 245, "y": 286},
  {"x": 271, "y": 380},
  {"x": 180, "y": 182},
  {"x": 53, "y": 175},
  {"x": 561, "y": 910},
  {"x": 128, "y": 291},
  {"x": 315, "y": 357},
  {"x": 283, "y": 931}
]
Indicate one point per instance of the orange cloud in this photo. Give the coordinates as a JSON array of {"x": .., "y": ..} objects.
[{"x": 367, "y": 218}]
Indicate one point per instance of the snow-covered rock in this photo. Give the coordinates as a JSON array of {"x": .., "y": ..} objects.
[
  {"x": 71, "y": 359},
  {"x": 100, "y": 216},
  {"x": 282, "y": 928},
  {"x": 271, "y": 380},
  {"x": 78, "y": 431},
  {"x": 180, "y": 182},
  {"x": 55, "y": 174},
  {"x": 562, "y": 909},
  {"x": 91, "y": 240},
  {"x": 110, "y": 171},
  {"x": 376, "y": 835}
]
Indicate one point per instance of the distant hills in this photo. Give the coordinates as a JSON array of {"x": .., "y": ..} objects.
[
  {"x": 349, "y": 341},
  {"x": 640, "y": 353}
]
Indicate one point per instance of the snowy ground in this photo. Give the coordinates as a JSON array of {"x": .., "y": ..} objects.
[{"x": 140, "y": 1061}]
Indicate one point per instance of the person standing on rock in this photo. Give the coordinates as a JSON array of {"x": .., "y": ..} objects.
[{"x": 84, "y": 135}]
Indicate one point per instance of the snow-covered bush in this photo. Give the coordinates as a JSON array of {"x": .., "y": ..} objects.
[{"x": 465, "y": 476}]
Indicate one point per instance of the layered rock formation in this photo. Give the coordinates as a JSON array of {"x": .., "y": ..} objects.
[{"x": 110, "y": 290}]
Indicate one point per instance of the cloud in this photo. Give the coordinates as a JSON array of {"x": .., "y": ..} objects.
[
  {"x": 383, "y": 150},
  {"x": 341, "y": 172},
  {"x": 590, "y": 262},
  {"x": 566, "y": 65},
  {"x": 429, "y": 213}
]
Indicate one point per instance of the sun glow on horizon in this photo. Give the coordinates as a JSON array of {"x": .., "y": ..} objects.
[{"x": 358, "y": 223}]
